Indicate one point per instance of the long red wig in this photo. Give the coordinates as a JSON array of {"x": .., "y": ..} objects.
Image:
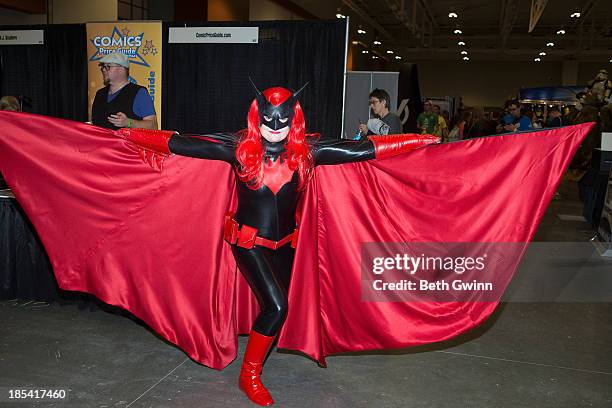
[{"x": 250, "y": 150}]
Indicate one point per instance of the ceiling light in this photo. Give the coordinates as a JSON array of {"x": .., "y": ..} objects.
[
  {"x": 452, "y": 15},
  {"x": 466, "y": 58},
  {"x": 537, "y": 59},
  {"x": 610, "y": 59},
  {"x": 460, "y": 43},
  {"x": 575, "y": 15},
  {"x": 561, "y": 32},
  {"x": 389, "y": 52},
  {"x": 365, "y": 52},
  {"x": 355, "y": 42},
  {"x": 340, "y": 15},
  {"x": 542, "y": 53},
  {"x": 397, "y": 57},
  {"x": 457, "y": 31},
  {"x": 376, "y": 42},
  {"x": 374, "y": 57},
  {"x": 464, "y": 52},
  {"x": 550, "y": 44},
  {"x": 360, "y": 31}
]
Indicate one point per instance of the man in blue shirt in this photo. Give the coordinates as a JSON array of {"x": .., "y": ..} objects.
[
  {"x": 520, "y": 122},
  {"x": 121, "y": 103}
]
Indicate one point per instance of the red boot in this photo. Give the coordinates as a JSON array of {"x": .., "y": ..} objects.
[{"x": 254, "y": 356}]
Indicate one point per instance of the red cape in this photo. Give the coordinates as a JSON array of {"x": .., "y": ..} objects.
[{"x": 151, "y": 242}]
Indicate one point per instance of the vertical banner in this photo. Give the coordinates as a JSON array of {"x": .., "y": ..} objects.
[
  {"x": 141, "y": 42},
  {"x": 537, "y": 8}
]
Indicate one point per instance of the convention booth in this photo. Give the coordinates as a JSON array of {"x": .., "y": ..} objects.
[{"x": 551, "y": 95}]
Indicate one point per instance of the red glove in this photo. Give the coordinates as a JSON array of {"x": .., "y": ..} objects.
[
  {"x": 152, "y": 144},
  {"x": 392, "y": 145}
]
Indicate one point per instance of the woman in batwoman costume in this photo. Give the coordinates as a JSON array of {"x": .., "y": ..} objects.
[
  {"x": 273, "y": 160},
  {"x": 150, "y": 242}
]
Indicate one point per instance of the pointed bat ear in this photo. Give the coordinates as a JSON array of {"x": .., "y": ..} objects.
[
  {"x": 261, "y": 99},
  {"x": 257, "y": 91},
  {"x": 296, "y": 93}
]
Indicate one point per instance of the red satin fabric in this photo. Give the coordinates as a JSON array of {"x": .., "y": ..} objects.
[
  {"x": 152, "y": 242},
  {"x": 392, "y": 145},
  {"x": 493, "y": 189}
]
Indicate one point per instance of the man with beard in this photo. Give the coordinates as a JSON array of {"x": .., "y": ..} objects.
[{"x": 121, "y": 103}]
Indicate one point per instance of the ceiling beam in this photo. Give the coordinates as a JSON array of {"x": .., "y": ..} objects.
[
  {"x": 507, "y": 18},
  {"x": 585, "y": 12},
  {"x": 352, "y": 4},
  {"x": 398, "y": 8},
  {"x": 425, "y": 6},
  {"x": 296, "y": 9}
]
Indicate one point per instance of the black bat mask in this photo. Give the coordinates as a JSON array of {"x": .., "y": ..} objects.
[{"x": 275, "y": 117}]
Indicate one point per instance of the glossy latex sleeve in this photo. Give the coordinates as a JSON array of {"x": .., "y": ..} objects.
[
  {"x": 342, "y": 151},
  {"x": 379, "y": 147},
  {"x": 216, "y": 146}
]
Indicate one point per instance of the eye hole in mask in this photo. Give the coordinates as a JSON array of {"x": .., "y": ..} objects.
[
  {"x": 267, "y": 118},
  {"x": 283, "y": 120}
]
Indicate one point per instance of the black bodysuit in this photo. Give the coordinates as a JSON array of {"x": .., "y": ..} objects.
[{"x": 271, "y": 209}]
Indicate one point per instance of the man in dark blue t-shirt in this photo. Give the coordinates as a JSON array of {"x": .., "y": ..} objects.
[
  {"x": 519, "y": 123},
  {"x": 121, "y": 103}
]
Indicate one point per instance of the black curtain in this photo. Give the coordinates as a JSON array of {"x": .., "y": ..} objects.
[
  {"x": 25, "y": 270},
  {"x": 408, "y": 88},
  {"x": 53, "y": 76},
  {"x": 207, "y": 87}
]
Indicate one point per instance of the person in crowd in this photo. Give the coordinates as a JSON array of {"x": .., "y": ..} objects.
[
  {"x": 121, "y": 103},
  {"x": 428, "y": 119},
  {"x": 586, "y": 111},
  {"x": 384, "y": 121},
  {"x": 441, "y": 128},
  {"x": 458, "y": 126},
  {"x": 10, "y": 103},
  {"x": 446, "y": 116},
  {"x": 506, "y": 118},
  {"x": 554, "y": 118},
  {"x": 476, "y": 125},
  {"x": 533, "y": 118},
  {"x": 520, "y": 122}
]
